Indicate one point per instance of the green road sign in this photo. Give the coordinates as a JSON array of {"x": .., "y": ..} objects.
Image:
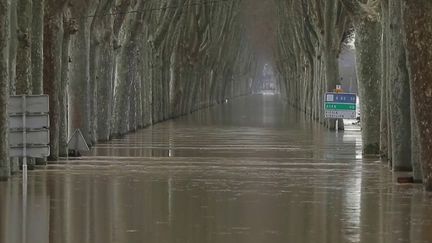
[{"x": 333, "y": 106}]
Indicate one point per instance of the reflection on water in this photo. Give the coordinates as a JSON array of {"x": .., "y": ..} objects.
[{"x": 248, "y": 171}]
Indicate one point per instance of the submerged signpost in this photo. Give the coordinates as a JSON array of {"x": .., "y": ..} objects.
[
  {"x": 340, "y": 105},
  {"x": 28, "y": 135}
]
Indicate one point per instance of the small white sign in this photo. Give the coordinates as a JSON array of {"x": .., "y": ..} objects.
[
  {"x": 31, "y": 151},
  {"x": 340, "y": 114},
  {"x": 34, "y": 104},
  {"x": 40, "y": 137},
  {"x": 34, "y": 121},
  {"x": 77, "y": 142}
]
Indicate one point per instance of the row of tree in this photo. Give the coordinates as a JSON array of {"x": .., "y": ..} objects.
[
  {"x": 113, "y": 66},
  {"x": 393, "y": 67}
]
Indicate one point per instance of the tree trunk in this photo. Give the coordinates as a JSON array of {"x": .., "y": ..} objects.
[
  {"x": 418, "y": 16},
  {"x": 331, "y": 53},
  {"x": 104, "y": 90},
  {"x": 4, "y": 89},
  {"x": 174, "y": 86},
  {"x": 23, "y": 58},
  {"x": 70, "y": 27},
  {"x": 95, "y": 55},
  {"x": 37, "y": 47},
  {"x": 128, "y": 70},
  {"x": 122, "y": 107},
  {"x": 415, "y": 146},
  {"x": 13, "y": 43},
  {"x": 400, "y": 93},
  {"x": 52, "y": 68},
  {"x": 37, "y": 53},
  {"x": 101, "y": 37},
  {"x": 79, "y": 86},
  {"x": 146, "y": 86},
  {"x": 368, "y": 40},
  {"x": 384, "y": 67}
]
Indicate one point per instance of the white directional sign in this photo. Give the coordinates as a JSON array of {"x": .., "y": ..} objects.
[
  {"x": 31, "y": 151},
  {"x": 29, "y": 126},
  {"x": 33, "y": 104},
  {"x": 340, "y": 105},
  {"x": 33, "y": 137},
  {"x": 33, "y": 121}
]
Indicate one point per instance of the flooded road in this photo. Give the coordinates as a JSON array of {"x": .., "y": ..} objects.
[{"x": 249, "y": 171}]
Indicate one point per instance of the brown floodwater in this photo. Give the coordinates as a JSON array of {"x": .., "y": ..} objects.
[{"x": 249, "y": 171}]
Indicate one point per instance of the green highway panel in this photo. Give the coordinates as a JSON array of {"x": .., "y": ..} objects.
[{"x": 331, "y": 106}]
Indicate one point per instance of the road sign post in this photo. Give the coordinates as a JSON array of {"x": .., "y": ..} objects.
[
  {"x": 28, "y": 134},
  {"x": 340, "y": 105}
]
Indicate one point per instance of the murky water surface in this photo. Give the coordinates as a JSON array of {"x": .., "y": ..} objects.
[{"x": 248, "y": 171}]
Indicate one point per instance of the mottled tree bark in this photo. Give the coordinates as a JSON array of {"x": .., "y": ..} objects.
[
  {"x": 106, "y": 71},
  {"x": 52, "y": 67},
  {"x": 175, "y": 89},
  {"x": 400, "y": 93},
  {"x": 37, "y": 47},
  {"x": 415, "y": 146},
  {"x": 23, "y": 58},
  {"x": 368, "y": 71},
  {"x": 331, "y": 51},
  {"x": 128, "y": 72},
  {"x": 104, "y": 91},
  {"x": 69, "y": 28},
  {"x": 100, "y": 34},
  {"x": 384, "y": 79},
  {"x": 368, "y": 42},
  {"x": 13, "y": 42},
  {"x": 37, "y": 52},
  {"x": 417, "y": 19},
  {"x": 12, "y": 45},
  {"x": 123, "y": 91},
  {"x": 415, "y": 133},
  {"x": 4, "y": 89},
  {"x": 79, "y": 89},
  {"x": 146, "y": 90}
]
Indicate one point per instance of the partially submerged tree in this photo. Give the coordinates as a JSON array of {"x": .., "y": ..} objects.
[
  {"x": 399, "y": 89},
  {"x": 79, "y": 88},
  {"x": 4, "y": 89},
  {"x": 23, "y": 54},
  {"x": 367, "y": 41},
  {"x": 53, "y": 35},
  {"x": 37, "y": 33},
  {"x": 417, "y": 19},
  {"x": 70, "y": 27}
]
